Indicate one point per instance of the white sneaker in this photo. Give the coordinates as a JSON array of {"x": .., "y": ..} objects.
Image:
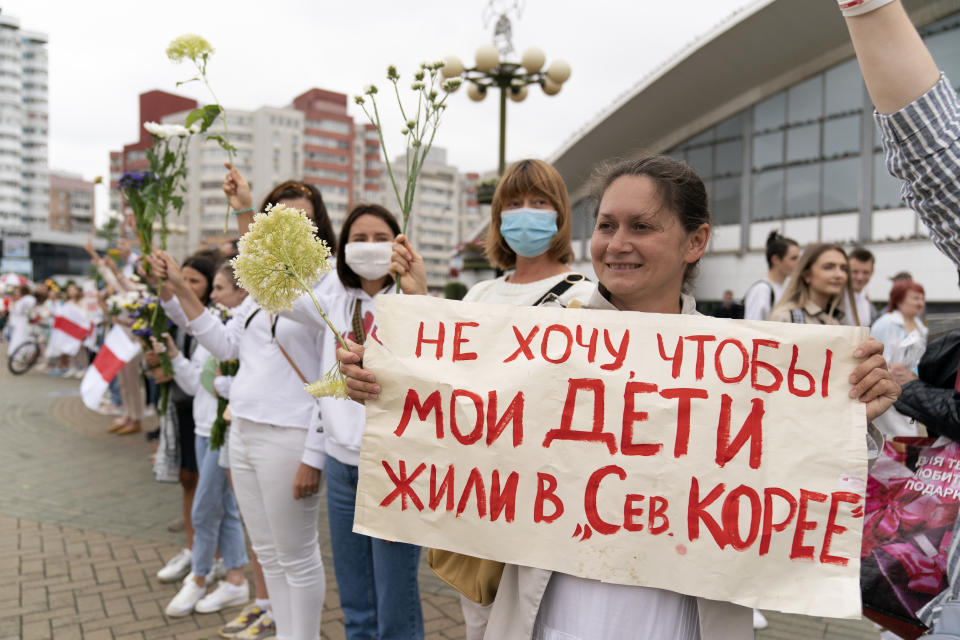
[
  {"x": 217, "y": 572},
  {"x": 185, "y": 600},
  {"x": 225, "y": 595},
  {"x": 177, "y": 567},
  {"x": 759, "y": 621}
]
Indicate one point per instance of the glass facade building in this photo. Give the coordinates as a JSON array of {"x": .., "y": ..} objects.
[{"x": 810, "y": 151}]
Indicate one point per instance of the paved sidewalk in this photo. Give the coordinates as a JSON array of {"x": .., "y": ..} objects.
[{"x": 83, "y": 533}]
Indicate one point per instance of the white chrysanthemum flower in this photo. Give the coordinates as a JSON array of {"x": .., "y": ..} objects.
[
  {"x": 280, "y": 257},
  {"x": 190, "y": 46},
  {"x": 165, "y": 131},
  {"x": 155, "y": 129}
]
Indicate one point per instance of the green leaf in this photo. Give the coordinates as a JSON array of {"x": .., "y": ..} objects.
[
  {"x": 226, "y": 146},
  {"x": 192, "y": 117}
]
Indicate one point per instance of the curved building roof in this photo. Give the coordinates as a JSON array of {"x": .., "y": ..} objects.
[{"x": 763, "y": 48}]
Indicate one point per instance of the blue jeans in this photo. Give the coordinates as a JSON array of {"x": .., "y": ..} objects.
[
  {"x": 115, "y": 392},
  {"x": 377, "y": 579},
  {"x": 216, "y": 518}
]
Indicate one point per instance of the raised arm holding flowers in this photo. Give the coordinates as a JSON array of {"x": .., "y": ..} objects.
[
  {"x": 196, "y": 49},
  {"x": 239, "y": 198}
]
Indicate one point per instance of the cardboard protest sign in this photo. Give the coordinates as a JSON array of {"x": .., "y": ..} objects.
[{"x": 714, "y": 458}]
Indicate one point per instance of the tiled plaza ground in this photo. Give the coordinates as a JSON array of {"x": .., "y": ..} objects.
[{"x": 83, "y": 531}]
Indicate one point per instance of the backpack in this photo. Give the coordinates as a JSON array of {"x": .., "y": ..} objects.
[{"x": 742, "y": 307}]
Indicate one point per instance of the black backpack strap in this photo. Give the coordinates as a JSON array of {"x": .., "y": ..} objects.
[
  {"x": 796, "y": 316},
  {"x": 250, "y": 318},
  {"x": 561, "y": 287}
]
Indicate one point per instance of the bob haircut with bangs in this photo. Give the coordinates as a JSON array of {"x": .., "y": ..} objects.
[{"x": 530, "y": 177}]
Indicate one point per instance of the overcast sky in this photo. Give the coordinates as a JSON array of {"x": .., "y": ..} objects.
[{"x": 103, "y": 53}]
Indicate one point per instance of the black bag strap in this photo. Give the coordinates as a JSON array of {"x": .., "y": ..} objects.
[
  {"x": 763, "y": 282},
  {"x": 561, "y": 287},
  {"x": 796, "y": 316},
  {"x": 246, "y": 325}
]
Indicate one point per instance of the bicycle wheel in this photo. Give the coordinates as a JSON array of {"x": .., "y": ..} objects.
[{"x": 23, "y": 358}]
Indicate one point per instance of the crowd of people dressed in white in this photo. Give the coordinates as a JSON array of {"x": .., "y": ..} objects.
[{"x": 652, "y": 226}]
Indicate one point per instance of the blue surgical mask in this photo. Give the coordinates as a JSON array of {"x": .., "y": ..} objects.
[{"x": 528, "y": 231}]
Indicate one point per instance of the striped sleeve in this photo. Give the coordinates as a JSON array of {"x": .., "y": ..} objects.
[{"x": 922, "y": 147}]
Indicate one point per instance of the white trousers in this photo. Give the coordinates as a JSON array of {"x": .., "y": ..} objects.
[
  {"x": 283, "y": 531},
  {"x": 475, "y": 617}
]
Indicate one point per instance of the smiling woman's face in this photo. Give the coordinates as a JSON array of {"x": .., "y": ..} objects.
[{"x": 640, "y": 249}]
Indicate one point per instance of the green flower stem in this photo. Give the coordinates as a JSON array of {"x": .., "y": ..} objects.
[
  {"x": 386, "y": 158},
  {"x": 226, "y": 135},
  {"x": 316, "y": 303}
]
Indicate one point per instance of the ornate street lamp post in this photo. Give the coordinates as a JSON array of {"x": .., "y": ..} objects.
[{"x": 512, "y": 78}]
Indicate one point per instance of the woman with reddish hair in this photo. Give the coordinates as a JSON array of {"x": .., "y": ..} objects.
[
  {"x": 904, "y": 340},
  {"x": 901, "y": 321}
]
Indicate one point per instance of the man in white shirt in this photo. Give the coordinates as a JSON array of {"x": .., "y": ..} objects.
[
  {"x": 762, "y": 296},
  {"x": 861, "y": 270}
]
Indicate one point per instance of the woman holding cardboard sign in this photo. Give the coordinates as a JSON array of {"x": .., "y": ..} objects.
[
  {"x": 529, "y": 233},
  {"x": 652, "y": 227}
]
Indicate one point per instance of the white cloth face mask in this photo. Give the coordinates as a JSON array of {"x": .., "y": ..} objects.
[{"x": 369, "y": 260}]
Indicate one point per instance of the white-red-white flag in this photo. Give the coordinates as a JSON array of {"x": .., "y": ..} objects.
[
  {"x": 117, "y": 350},
  {"x": 71, "y": 326}
]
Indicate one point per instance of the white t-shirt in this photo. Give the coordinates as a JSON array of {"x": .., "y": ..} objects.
[
  {"x": 502, "y": 291},
  {"x": 864, "y": 309},
  {"x": 575, "y": 608},
  {"x": 756, "y": 304},
  {"x": 579, "y": 609}
]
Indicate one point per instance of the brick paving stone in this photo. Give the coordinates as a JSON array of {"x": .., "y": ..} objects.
[{"x": 83, "y": 531}]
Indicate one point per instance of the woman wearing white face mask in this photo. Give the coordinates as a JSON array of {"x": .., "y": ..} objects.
[{"x": 377, "y": 580}]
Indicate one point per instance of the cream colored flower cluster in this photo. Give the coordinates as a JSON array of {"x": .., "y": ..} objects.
[
  {"x": 280, "y": 257},
  {"x": 190, "y": 46},
  {"x": 331, "y": 385}
]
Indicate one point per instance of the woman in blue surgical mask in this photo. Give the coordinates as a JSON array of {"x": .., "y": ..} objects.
[{"x": 529, "y": 237}]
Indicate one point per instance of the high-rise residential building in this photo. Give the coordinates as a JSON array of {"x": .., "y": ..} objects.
[
  {"x": 369, "y": 174},
  {"x": 71, "y": 202},
  {"x": 24, "y": 177},
  {"x": 116, "y": 172},
  {"x": 341, "y": 157},
  {"x": 436, "y": 219},
  {"x": 269, "y": 143},
  {"x": 471, "y": 212}
]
